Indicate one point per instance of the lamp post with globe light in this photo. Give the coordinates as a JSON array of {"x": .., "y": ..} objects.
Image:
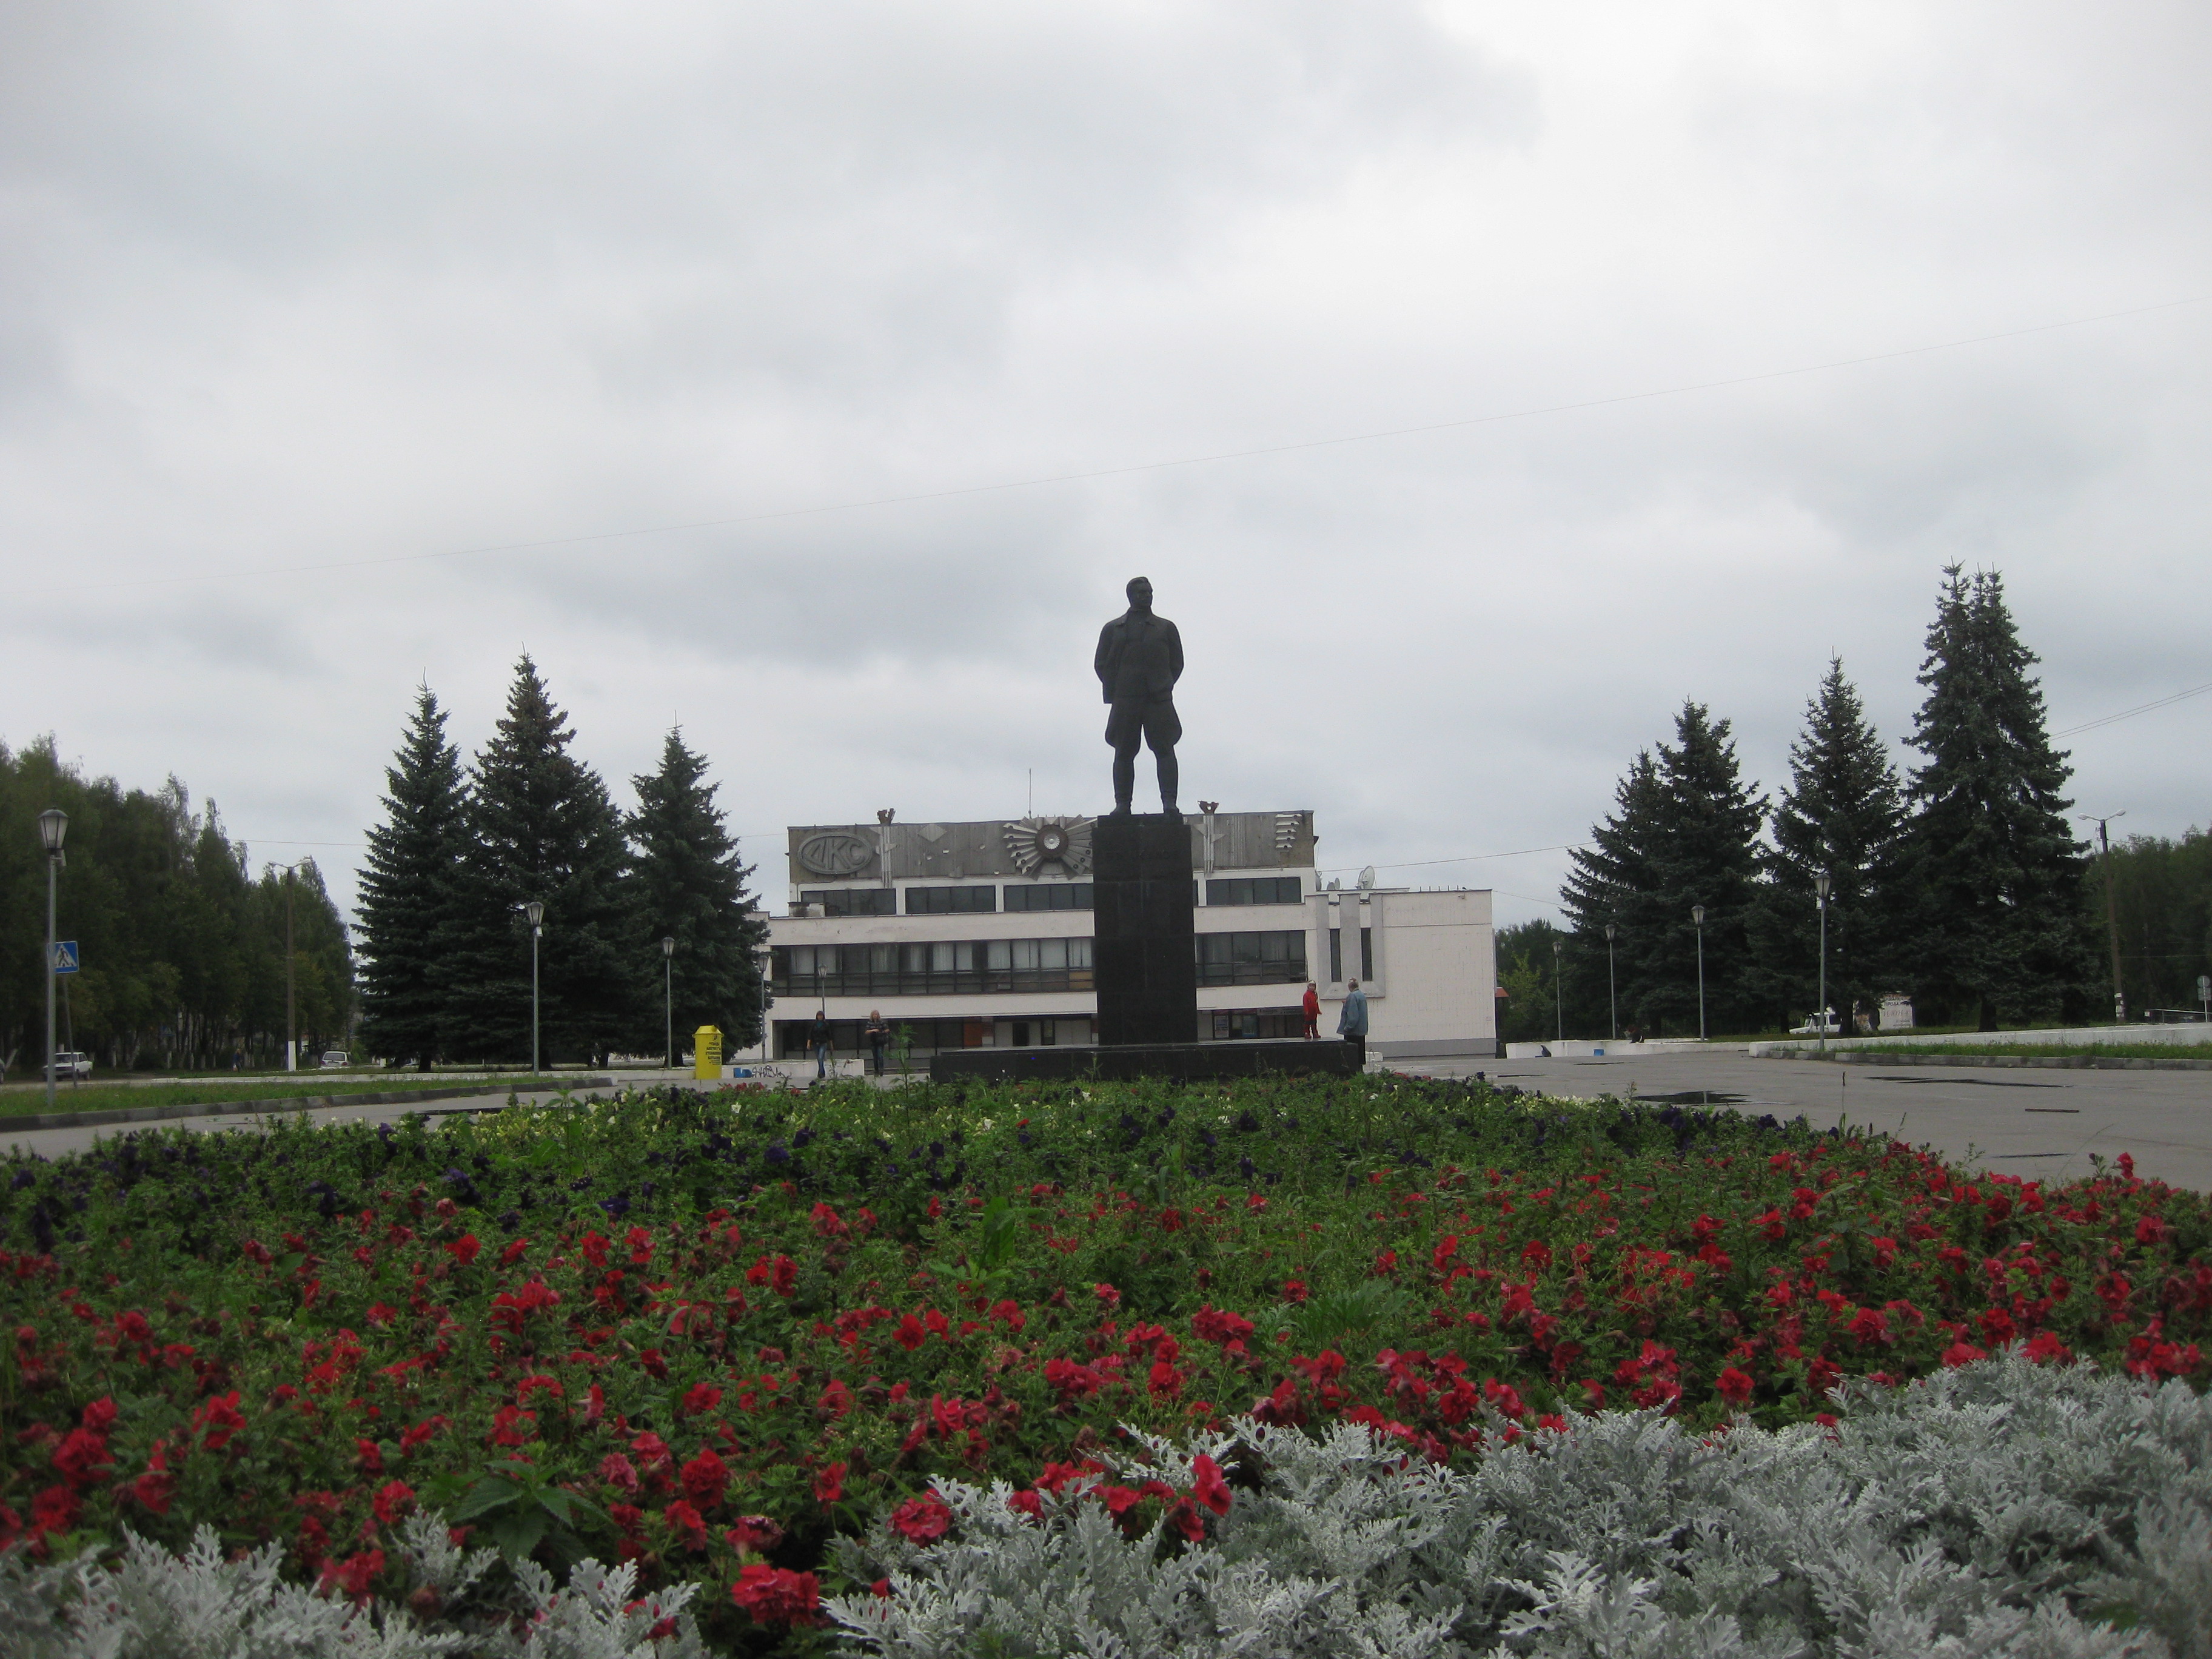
[
  {"x": 1698, "y": 918},
  {"x": 534, "y": 914},
  {"x": 1559, "y": 996},
  {"x": 668, "y": 992},
  {"x": 1612, "y": 983},
  {"x": 1821, "y": 881},
  {"x": 53, "y": 825}
]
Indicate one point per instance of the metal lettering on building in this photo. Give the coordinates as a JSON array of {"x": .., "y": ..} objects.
[{"x": 836, "y": 856}]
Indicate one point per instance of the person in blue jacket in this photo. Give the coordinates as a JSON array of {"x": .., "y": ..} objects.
[{"x": 1351, "y": 1023}]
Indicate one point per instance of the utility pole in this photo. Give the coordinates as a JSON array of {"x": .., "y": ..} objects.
[
  {"x": 291, "y": 1022},
  {"x": 1612, "y": 983},
  {"x": 2111, "y": 911},
  {"x": 53, "y": 826}
]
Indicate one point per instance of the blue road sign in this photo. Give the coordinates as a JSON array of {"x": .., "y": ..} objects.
[{"x": 65, "y": 956}]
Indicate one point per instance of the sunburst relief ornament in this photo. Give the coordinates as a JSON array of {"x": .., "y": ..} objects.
[{"x": 1035, "y": 842}]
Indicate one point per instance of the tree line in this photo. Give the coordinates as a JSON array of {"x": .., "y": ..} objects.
[
  {"x": 182, "y": 945},
  {"x": 1960, "y": 885},
  {"x": 445, "y": 942}
]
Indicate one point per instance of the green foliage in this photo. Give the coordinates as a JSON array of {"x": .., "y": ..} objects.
[
  {"x": 1993, "y": 874},
  {"x": 2163, "y": 890},
  {"x": 1685, "y": 833},
  {"x": 542, "y": 827},
  {"x": 183, "y": 945},
  {"x": 691, "y": 887},
  {"x": 1842, "y": 812},
  {"x": 409, "y": 894},
  {"x": 1528, "y": 974}
]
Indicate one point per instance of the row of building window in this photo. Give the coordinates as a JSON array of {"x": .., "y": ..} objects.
[
  {"x": 952, "y": 967},
  {"x": 914, "y": 1038},
  {"x": 1336, "y": 955},
  {"x": 1043, "y": 896}
]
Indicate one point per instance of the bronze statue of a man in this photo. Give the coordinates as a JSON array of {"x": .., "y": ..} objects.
[{"x": 1139, "y": 660}]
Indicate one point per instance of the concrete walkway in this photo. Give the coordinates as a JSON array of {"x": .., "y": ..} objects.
[{"x": 2041, "y": 1124}]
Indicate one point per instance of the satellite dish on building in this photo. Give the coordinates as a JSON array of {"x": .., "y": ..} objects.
[
  {"x": 1335, "y": 884},
  {"x": 1367, "y": 878}
]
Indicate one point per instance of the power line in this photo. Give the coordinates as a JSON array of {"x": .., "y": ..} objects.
[
  {"x": 1468, "y": 858},
  {"x": 2130, "y": 713},
  {"x": 1093, "y": 474}
]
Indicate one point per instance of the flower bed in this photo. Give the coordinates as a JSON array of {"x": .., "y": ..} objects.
[{"x": 709, "y": 1335}]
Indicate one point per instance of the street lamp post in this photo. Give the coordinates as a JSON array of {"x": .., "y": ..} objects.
[
  {"x": 1612, "y": 983},
  {"x": 291, "y": 1020},
  {"x": 668, "y": 991},
  {"x": 1559, "y": 996},
  {"x": 1821, "y": 882},
  {"x": 1698, "y": 916},
  {"x": 534, "y": 914},
  {"x": 53, "y": 825}
]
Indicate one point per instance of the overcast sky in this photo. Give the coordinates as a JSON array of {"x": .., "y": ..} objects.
[{"x": 303, "y": 309}]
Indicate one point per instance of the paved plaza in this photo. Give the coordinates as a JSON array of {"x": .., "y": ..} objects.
[{"x": 2026, "y": 1121}]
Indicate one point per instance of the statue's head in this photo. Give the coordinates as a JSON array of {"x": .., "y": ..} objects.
[{"x": 1140, "y": 592}]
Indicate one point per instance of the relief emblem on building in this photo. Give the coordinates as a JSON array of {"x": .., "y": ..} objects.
[
  {"x": 835, "y": 855},
  {"x": 1032, "y": 843}
]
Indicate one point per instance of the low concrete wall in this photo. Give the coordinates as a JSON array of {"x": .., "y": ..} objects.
[
  {"x": 1598, "y": 1047},
  {"x": 2072, "y": 1036}
]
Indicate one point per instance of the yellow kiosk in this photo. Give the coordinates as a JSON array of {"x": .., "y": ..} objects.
[{"x": 706, "y": 1053}]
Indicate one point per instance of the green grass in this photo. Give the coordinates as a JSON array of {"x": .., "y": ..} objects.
[{"x": 108, "y": 1096}]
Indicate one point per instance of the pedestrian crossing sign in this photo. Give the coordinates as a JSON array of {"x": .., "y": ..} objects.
[{"x": 65, "y": 956}]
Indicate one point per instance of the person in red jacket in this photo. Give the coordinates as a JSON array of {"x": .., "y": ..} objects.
[{"x": 1312, "y": 1011}]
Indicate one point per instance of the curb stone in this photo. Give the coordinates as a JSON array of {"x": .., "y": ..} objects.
[
  {"x": 239, "y": 1107},
  {"x": 2050, "y": 1062}
]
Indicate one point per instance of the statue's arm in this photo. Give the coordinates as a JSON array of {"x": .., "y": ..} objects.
[
  {"x": 1174, "y": 651},
  {"x": 1103, "y": 663}
]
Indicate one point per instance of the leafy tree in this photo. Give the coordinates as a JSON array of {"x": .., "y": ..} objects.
[
  {"x": 1996, "y": 875},
  {"x": 1686, "y": 835},
  {"x": 2163, "y": 896},
  {"x": 1528, "y": 974},
  {"x": 542, "y": 827},
  {"x": 1843, "y": 812},
  {"x": 691, "y": 887},
  {"x": 408, "y": 893}
]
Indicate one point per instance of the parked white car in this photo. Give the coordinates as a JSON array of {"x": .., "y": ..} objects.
[
  {"x": 334, "y": 1057},
  {"x": 72, "y": 1066},
  {"x": 1814, "y": 1028}
]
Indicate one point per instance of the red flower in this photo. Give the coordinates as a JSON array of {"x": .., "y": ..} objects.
[
  {"x": 1822, "y": 1377},
  {"x": 158, "y": 1484},
  {"x": 414, "y": 1438},
  {"x": 1536, "y": 1255},
  {"x": 1734, "y": 1386},
  {"x": 911, "y": 1334},
  {"x": 2044, "y": 1345},
  {"x": 464, "y": 1249},
  {"x": 513, "y": 1253},
  {"x": 829, "y": 1485},
  {"x": 1207, "y": 1486},
  {"x": 1184, "y": 1518},
  {"x": 1869, "y": 1327},
  {"x": 1962, "y": 1353},
  {"x": 619, "y": 1473},
  {"x": 1294, "y": 1290},
  {"x": 706, "y": 1478},
  {"x": 687, "y": 1524},
  {"x": 836, "y": 1400},
  {"x": 756, "y": 1533},
  {"x": 922, "y": 1520},
  {"x": 1998, "y": 1327},
  {"x": 1107, "y": 1294},
  {"x": 828, "y": 1223},
  {"x": 81, "y": 1458},
  {"x": 353, "y": 1574},
  {"x": 368, "y": 1457},
  {"x": 774, "y": 1596},
  {"x": 220, "y": 1418},
  {"x": 99, "y": 1416},
  {"x": 1030, "y": 1504},
  {"x": 701, "y": 1397},
  {"x": 394, "y": 1499}
]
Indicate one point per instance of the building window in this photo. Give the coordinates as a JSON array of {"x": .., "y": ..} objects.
[
  {"x": 1336, "y": 955},
  {"x": 931, "y": 968},
  {"x": 1254, "y": 890},
  {"x": 853, "y": 901},
  {"x": 950, "y": 900},
  {"x": 1048, "y": 895},
  {"x": 1366, "y": 953},
  {"x": 1269, "y": 958},
  {"x": 1231, "y": 1023}
]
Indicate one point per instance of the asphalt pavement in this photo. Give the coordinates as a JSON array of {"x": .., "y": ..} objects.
[{"x": 2040, "y": 1124}]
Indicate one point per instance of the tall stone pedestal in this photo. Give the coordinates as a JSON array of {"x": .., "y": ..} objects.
[{"x": 1142, "y": 957}]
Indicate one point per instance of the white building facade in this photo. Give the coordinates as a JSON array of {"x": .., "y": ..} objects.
[{"x": 978, "y": 935}]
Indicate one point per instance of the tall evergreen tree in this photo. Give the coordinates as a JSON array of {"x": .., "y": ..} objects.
[
  {"x": 408, "y": 889},
  {"x": 691, "y": 887},
  {"x": 1687, "y": 835},
  {"x": 542, "y": 827},
  {"x": 1843, "y": 812},
  {"x": 1996, "y": 873}
]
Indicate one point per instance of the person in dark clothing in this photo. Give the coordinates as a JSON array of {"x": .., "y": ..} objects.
[
  {"x": 1351, "y": 1023},
  {"x": 878, "y": 1035},
  {"x": 818, "y": 1038}
]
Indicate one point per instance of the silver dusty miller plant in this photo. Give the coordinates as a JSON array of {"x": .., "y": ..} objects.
[
  {"x": 1999, "y": 1508},
  {"x": 198, "y": 1605}
]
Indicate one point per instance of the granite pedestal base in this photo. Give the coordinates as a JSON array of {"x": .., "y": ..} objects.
[
  {"x": 1142, "y": 957},
  {"x": 1179, "y": 1062}
]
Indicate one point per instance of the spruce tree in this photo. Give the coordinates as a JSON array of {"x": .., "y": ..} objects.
[
  {"x": 691, "y": 887},
  {"x": 1996, "y": 873},
  {"x": 542, "y": 827},
  {"x": 1843, "y": 813},
  {"x": 1687, "y": 835},
  {"x": 407, "y": 891}
]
